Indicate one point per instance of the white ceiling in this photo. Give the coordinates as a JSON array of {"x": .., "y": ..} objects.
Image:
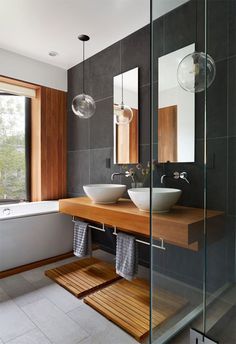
[{"x": 33, "y": 28}]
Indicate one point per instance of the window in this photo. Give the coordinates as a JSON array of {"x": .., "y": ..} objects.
[{"x": 14, "y": 147}]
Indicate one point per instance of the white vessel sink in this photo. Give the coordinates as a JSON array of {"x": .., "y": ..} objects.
[
  {"x": 104, "y": 193},
  {"x": 162, "y": 198}
]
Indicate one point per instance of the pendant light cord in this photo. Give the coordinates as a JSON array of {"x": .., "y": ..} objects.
[{"x": 83, "y": 64}]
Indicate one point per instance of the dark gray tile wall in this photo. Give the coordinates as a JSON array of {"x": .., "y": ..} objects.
[
  {"x": 93, "y": 138},
  {"x": 90, "y": 142}
]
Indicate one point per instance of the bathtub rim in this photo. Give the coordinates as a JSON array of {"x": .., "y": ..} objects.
[
  {"x": 29, "y": 213},
  {"x": 21, "y": 216}
]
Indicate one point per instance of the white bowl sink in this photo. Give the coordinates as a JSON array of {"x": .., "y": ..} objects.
[
  {"x": 162, "y": 198},
  {"x": 104, "y": 193}
]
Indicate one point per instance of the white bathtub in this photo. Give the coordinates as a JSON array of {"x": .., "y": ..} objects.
[{"x": 33, "y": 231}]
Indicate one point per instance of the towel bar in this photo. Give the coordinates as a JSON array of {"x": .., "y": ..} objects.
[
  {"x": 98, "y": 228},
  {"x": 94, "y": 227},
  {"x": 161, "y": 247},
  {"x": 103, "y": 229}
]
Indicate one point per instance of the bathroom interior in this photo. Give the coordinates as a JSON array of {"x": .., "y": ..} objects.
[{"x": 117, "y": 171}]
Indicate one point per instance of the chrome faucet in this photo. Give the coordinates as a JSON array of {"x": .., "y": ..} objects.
[
  {"x": 177, "y": 175},
  {"x": 162, "y": 178},
  {"x": 116, "y": 174},
  {"x": 126, "y": 174}
]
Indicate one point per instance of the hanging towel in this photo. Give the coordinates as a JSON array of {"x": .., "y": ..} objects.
[
  {"x": 126, "y": 256},
  {"x": 82, "y": 245}
]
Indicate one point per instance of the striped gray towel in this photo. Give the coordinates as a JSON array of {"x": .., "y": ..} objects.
[
  {"x": 126, "y": 256},
  {"x": 82, "y": 245}
]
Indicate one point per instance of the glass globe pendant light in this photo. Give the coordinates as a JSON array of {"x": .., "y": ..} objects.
[
  {"x": 195, "y": 71},
  {"x": 123, "y": 113},
  {"x": 83, "y": 105}
]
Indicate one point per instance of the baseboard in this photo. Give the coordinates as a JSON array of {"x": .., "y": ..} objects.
[{"x": 34, "y": 265}]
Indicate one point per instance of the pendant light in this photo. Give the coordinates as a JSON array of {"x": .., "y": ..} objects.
[
  {"x": 83, "y": 105},
  {"x": 123, "y": 113},
  {"x": 195, "y": 70}
]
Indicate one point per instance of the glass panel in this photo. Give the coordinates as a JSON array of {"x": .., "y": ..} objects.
[
  {"x": 221, "y": 172},
  {"x": 178, "y": 185},
  {"x": 12, "y": 148}
]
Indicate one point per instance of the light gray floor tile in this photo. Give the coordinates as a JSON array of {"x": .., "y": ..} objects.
[
  {"x": 100, "y": 329},
  {"x": 114, "y": 336},
  {"x": 3, "y": 295},
  {"x": 60, "y": 297},
  {"x": 20, "y": 290},
  {"x": 34, "y": 275},
  {"x": 15, "y": 285},
  {"x": 44, "y": 282},
  {"x": 32, "y": 337},
  {"x": 55, "y": 324},
  {"x": 89, "y": 319},
  {"x": 13, "y": 322}
]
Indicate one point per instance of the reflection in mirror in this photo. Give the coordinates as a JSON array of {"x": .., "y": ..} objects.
[
  {"x": 126, "y": 140},
  {"x": 176, "y": 113}
]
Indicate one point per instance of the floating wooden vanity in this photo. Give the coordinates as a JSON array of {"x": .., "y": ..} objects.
[{"x": 182, "y": 226}]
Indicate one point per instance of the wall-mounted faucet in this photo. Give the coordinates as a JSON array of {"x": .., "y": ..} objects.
[
  {"x": 126, "y": 174},
  {"x": 162, "y": 178},
  {"x": 176, "y": 175}
]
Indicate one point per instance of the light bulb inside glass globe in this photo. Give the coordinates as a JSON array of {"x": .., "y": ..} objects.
[
  {"x": 83, "y": 106},
  {"x": 123, "y": 114},
  {"x": 192, "y": 71}
]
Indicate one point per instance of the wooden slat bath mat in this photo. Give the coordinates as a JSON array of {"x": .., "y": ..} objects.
[
  {"x": 127, "y": 305},
  {"x": 83, "y": 276}
]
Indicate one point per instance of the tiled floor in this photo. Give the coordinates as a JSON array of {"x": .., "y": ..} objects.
[{"x": 35, "y": 310}]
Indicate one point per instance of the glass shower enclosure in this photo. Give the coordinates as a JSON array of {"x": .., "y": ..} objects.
[{"x": 193, "y": 149}]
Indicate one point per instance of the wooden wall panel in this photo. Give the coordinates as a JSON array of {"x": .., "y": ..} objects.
[{"x": 53, "y": 144}]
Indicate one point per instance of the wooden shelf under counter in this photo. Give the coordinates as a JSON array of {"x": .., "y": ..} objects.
[{"x": 182, "y": 226}]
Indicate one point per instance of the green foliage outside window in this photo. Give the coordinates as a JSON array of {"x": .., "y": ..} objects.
[{"x": 12, "y": 147}]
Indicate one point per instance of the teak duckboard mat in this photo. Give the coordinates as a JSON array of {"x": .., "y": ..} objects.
[
  {"x": 127, "y": 304},
  {"x": 84, "y": 276}
]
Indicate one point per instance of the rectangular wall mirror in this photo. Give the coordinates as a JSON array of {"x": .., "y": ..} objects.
[
  {"x": 126, "y": 138},
  {"x": 176, "y": 112}
]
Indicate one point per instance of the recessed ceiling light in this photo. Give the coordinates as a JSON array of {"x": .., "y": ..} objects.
[{"x": 53, "y": 53}]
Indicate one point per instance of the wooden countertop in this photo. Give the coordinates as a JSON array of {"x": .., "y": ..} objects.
[{"x": 182, "y": 226}]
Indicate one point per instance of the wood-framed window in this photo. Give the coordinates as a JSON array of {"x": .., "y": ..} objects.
[{"x": 46, "y": 139}]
